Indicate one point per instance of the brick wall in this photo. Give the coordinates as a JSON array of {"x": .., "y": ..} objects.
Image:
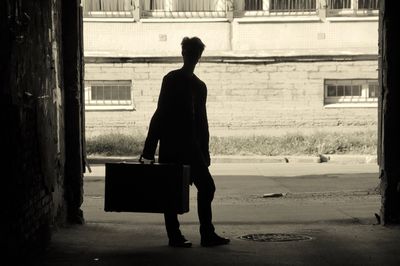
[
  {"x": 32, "y": 125},
  {"x": 241, "y": 96}
]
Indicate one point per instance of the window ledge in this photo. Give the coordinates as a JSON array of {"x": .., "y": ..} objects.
[
  {"x": 182, "y": 20},
  {"x": 108, "y": 19},
  {"x": 351, "y": 105},
  {"x": 345, "y": 19},
  {"x": 278, "y": 19},
  {"x": 109, "y": 108}
]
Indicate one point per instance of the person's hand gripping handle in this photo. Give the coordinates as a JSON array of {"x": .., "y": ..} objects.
[{"x": 145, "y": 160}]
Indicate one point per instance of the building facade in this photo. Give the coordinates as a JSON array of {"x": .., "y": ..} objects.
[{"x": 268, "y": 64}]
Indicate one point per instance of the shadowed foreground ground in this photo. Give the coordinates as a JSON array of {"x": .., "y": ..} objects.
[{"x": 331, "y": 203}]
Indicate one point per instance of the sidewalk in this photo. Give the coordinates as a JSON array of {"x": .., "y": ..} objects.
[{"x": 341, "y": 159}]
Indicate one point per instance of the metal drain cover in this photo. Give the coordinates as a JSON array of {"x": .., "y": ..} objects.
[{"x": 275, "y": 237}]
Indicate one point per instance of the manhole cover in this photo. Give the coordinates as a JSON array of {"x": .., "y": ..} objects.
[{"x": 275, "y": 237}]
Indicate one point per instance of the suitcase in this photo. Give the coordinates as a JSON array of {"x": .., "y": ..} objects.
[{"x": 152, "y": 188}]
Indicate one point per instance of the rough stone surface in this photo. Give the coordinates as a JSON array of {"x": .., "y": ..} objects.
[
  {"x": 32, "y": 122},
  {"x": 240, "y": 96}
]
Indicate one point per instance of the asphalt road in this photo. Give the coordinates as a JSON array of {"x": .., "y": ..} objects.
[{"x": 311, "y": 192}]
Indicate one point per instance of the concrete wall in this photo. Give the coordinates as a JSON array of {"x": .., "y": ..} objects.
[
  {"x": 147, "y": 38},
  {"x": 241, "y": 96},
  {"x": 280, "y": 37},
  {"x": 321, "y": 37}
]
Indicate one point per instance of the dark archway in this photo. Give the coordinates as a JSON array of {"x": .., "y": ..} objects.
[
  {"x": 41, "y": 74},
  {"x": 75, "y": 155},
  {"x": 389, "y": 110}
]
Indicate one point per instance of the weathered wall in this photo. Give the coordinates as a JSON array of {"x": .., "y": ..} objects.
[
  {"x": 306, "y": 37},
  {"x": 240, "y": 96},
  {"x": 278, "y": 37},
  {"x": 144, "y": 38},
  {"x": 73, "y": 76},
  {"x": 389, "y": 98},
  {"x": 32, "y": 124}
]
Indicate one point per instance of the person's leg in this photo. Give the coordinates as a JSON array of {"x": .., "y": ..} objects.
[
  {"x": 172, "y": 225},
  {"x": 176, "y": 239},
  {"x": 205, "y": 195}
]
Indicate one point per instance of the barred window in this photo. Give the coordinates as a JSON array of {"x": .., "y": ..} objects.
[
  {"x": 368, "y": 4},
  {"x": 292, "y": 5},
  {"x": 339, "y": 4},
  {"x": 108, "y": 93},
  {"x": 253, "y": 5},
  {"x": 183, "y": 5},
  {"x": 183, "y": 8},
  {"x": 156, "y": 5},
  {"x": 107, "y": 8},
  {"x": 347, "y": 4},
  {"x": 350, "y": 91},
  {"x": 373, "y": 90}
]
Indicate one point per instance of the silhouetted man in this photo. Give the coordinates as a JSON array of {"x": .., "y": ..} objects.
[{"x": 180, "y": 124}]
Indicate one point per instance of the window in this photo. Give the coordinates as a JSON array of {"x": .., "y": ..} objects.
[
  {"x": 353, "y": 7},
  {"x": 347, "y": 4},
  {"x": 292, "y": 5},
  {"x": 107, "y": 8},
  {"x": 253, "y": 5},
  {"x": 156, "y": 5},
  {"x": 339, "y": 4},
  {"x": 108, "y": 93},
  {"x": 266, "y": 8},
  {"x": 368, "y": 4},
  {"x": 373, "y": 90},
  {"x": 183, "y": 8},
  {"x": 350, "y": 91}
]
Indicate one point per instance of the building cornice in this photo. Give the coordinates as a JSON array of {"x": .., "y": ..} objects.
[{"x": 233, "y": 59}]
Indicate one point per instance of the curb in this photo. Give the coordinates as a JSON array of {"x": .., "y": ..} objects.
[{"x": 337, "y": 159}]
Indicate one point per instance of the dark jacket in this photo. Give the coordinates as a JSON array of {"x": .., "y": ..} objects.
[{"x": 180, "y": 122}]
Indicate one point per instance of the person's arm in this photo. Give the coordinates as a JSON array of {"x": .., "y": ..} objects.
[
  {"x": 153, "y": 135},
  {"x": 156, "y": 127},
  {"x": 205, "y": 137}
]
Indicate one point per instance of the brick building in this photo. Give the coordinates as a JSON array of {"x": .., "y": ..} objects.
[{"x": 268, "y": 64}]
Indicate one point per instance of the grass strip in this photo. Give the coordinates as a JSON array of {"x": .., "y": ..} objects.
[{"x": 360, "y": 142}]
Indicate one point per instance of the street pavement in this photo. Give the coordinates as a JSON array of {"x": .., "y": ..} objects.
[
  {"x": 332, "y": 204},
  {"x": 242, "y": 186}
]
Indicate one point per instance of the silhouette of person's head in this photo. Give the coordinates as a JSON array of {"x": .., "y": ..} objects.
[{"x": 192, "y": 49}]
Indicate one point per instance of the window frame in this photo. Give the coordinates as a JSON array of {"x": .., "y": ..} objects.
[
  {"x": 108, "y": 104},
  {"x": 294, "y": 11},
  {"x": 353, "y": 10},
  {"x": 351, "y": 101},
  {"x": 107, "y": 14},
  {"x": 263, "y": 6},
  {"x": 168, "y": 13},
  {"x": 241, "y": 12}
]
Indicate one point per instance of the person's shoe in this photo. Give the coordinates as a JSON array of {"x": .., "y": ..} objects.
[
  {"x": 180, "y": 242},
  {"x": 214, "y": 240}
]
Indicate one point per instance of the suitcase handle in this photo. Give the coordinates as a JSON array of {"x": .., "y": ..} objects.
[{"x": 142, "y": 162}]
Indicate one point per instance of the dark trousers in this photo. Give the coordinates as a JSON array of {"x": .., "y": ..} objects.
[{"x": 204, "y": 183}]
